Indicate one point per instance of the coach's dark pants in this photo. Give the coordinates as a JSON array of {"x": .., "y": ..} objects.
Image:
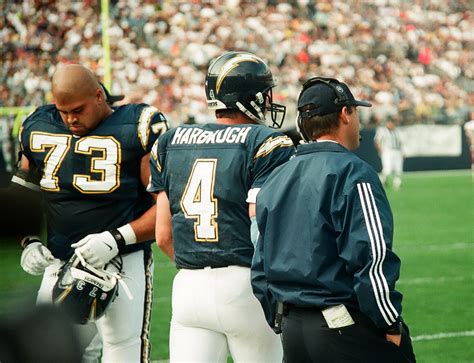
[{"x": 307, "y": 338}]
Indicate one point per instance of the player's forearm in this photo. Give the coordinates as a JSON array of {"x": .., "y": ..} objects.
[
  {"x": 144, "y": 226},
  {"x": 167, "y": 247},
  {"x": 163, "y": 227}
]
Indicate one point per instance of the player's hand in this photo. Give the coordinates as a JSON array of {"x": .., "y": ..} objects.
[
  {"x": 97, "y": 249},
  {"x": 35, "y": 258},
  {"x": 395, "y": 339}
]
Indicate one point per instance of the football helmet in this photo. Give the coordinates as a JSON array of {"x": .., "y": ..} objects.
[
  {"x": 84, "y": 291},
  {"x": 243, "y": 81}
]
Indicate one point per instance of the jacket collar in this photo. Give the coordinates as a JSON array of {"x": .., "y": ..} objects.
[{"x": 319, "y": 146}]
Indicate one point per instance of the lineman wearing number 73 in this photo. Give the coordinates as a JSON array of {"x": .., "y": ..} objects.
[{"x": 90, "y": 161}]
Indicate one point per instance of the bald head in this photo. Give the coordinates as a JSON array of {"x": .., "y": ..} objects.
[
  {"x": 79, "y": 99},
  {"x": 74, "y": 81}
]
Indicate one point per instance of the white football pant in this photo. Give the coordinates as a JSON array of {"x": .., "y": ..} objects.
[
  {"x": 124, "y": 328},
  {"x": 214, "y": 313}
]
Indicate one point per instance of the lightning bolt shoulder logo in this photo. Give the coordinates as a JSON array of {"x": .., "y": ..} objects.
[{"x": 232, "y": 64}]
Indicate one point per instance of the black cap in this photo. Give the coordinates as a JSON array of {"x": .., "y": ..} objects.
[
  {"x": 327, "y": 95},
  {"x": 111, "y": 99}
]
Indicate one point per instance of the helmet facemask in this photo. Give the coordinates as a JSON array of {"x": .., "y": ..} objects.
[{"x": 276, "y": 110}]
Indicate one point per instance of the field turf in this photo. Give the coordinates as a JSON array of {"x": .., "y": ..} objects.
[{"x": 434, "y": 236}]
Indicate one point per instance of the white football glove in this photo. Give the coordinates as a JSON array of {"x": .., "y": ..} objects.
[
  {"x": 35, "y": 258},
  {"x": 97, "y": 249}
]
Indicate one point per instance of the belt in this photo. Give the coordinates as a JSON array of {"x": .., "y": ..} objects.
[
  {"x": 356, "y": 314},
  {"x": 287, "y": 307}
]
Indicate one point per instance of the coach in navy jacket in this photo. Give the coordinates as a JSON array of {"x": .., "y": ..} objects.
[{"x": 325, "y": 244}]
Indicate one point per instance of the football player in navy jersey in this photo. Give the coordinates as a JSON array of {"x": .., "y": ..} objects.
[
  {"x": 91, "y": 163},
  {"x": 207, "y": 178}
]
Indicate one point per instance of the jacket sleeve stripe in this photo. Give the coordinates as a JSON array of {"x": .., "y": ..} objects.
[
  {"x": 377, "y": 242},
  {"x": 384, "y": 248}
]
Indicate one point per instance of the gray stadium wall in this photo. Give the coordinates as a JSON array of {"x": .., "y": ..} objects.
[{"x": 367, "y": 152}]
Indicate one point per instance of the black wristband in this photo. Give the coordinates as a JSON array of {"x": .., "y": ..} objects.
[
  {"x": 29, "y": 240},
  {"x": 118, "y": 238},
  {"x": 395, "y": 329}
]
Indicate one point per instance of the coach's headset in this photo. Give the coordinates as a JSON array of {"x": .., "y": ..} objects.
[{"x": 341, "y": 99}]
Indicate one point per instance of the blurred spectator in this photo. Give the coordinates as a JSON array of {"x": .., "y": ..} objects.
[
  {"x": 416, "y": 57},
  {"x": 41, "y": 334}
]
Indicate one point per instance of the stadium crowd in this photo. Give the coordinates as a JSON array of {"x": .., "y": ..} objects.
[{"x": 410, "y": 58}]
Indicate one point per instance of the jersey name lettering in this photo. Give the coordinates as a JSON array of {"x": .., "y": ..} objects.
[{"x": 229, "y": 135}]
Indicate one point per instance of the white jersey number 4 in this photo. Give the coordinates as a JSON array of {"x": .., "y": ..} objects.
[{"x": 198, "y": 201}]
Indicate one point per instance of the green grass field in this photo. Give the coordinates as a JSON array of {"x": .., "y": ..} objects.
[{"x": 434, "y": 236}]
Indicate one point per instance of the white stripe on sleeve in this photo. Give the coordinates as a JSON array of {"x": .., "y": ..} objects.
[{"x": 377, "y": 243}]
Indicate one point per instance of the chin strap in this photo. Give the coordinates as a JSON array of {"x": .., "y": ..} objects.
[{"x": 115, "y": 275}]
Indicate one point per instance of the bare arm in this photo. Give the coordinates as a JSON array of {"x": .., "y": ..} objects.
[
  {"x": 252, "y": 210},
  {"x": 24, "y": 163},
  {"x": 144, "y": 226},
  {"x": 164, "y": 231}
]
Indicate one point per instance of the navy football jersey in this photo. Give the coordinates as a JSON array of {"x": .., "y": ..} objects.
[
  {"x": 207, "y": 172},
  {"x": 91, "y": 183}
]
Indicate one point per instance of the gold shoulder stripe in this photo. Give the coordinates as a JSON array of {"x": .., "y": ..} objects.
[
  {"x": 154, "y": 155},
  {"x": 144, "y": 124},
  {"x": 271, "y": 144}
]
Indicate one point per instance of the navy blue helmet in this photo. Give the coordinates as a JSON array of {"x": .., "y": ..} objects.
[
  {"x": 244, "y": 82},
  {"x": 83, "y": 291}
]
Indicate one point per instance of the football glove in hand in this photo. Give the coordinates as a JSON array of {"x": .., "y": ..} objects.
[
  {"x": 97, "y": 249},
  {"x": 35, "y": 258}
]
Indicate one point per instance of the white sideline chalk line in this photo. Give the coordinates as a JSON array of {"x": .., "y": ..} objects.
[
  {"x": 434, "y": 247},
  {"x": 468, "y": 333},
  {"x": 161, "y": 299},
  {"x": 427, "y": 280},
  {"x": 418, "y": 338},
  {"x": 437, "y": 173}
]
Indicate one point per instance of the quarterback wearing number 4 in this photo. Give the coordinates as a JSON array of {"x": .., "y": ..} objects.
[
  {"x": 208, "y": 176},
  {"x": 90, "y": 161}
]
